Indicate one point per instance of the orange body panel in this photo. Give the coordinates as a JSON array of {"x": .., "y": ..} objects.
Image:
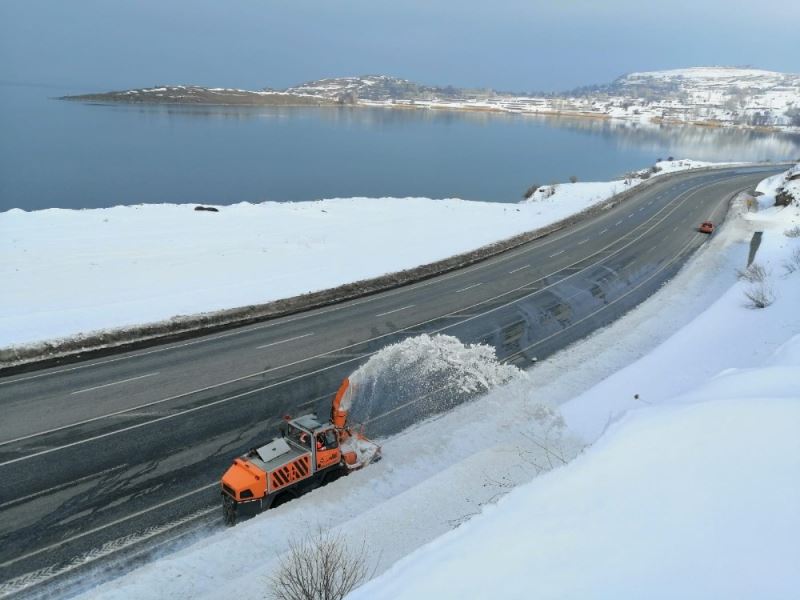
[
  {"x": 326, "y": 458},
  {"x": 242, "y": 476},
  {"x": 339, "y": 416},
  {"x": 298, "y": 469}
]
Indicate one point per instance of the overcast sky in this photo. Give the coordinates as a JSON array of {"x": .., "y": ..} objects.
[{"x": 505, "y": 44}]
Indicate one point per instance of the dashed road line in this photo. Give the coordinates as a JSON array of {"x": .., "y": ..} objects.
[
  {"x": 469, "y": 287},
  {"x": 56, "y": 488},
  {"x": 389, "y": 312},
  {"x": 109, "y": 524},
  {"x": 297, "y": 337},
  {"x": 532, "y": 288},
  {"x": 105, "y": 385},
  {"x": 518, "y": 269}
]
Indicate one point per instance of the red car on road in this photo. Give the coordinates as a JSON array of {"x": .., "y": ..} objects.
[{"x": 706, "y": 227}]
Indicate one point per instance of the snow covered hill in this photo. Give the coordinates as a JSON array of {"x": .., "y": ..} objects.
[
  {"x": 708, "y": 95},
  {"x": 719, "y": 96},
  {"x": 374, "y": 87},
  {"x": 725, "y": 94}
]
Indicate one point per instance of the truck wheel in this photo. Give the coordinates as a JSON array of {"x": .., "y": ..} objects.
[{"x": 229, "y": 511}]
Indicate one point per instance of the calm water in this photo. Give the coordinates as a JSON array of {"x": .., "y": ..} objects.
[{"x": 70, "y": 155}]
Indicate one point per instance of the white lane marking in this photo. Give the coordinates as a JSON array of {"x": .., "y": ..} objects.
[
  {"x": 518, "y": 269},
  {"x": 62, "y": 486},
  {"x": 525, "y": 287},
  {"x": 297, "y": 337},
  {"x": 617, "y": 223},
  {"x": 630, "y": 216},
  {"x": 105, "y": 385},
  {"x": 545, "y": 240},
  {"x": 604, "y": 307},
  {"x": 584, "y": 241},
  {"x": 469, "y": 287},
  {"x": 28, "y": 580},
  {"x": 602, "y": 232},
  {"x": 177, "y": 414},
  {"x": 389, "y": 312},
  {"x": 641, "y": 209},
  {"x": 675, "y": 228},
  {"x": 557, "y": 253},
  {"x": 110, "y": 524}
]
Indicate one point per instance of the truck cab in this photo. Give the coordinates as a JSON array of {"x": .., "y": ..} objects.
[{"x": 321, "y": 440}]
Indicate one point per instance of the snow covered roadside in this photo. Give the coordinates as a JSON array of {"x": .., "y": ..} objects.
[
  {"x": 695, "y": 501},
  {"x": 692, "y": 489},
  {"x": 67, "y": 273}
]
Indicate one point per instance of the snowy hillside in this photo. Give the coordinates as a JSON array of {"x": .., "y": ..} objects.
[
  {"x": 718, "y": 96},
  {"x": 706, "y": 95},
  {"x": 750, "y": 96},
  {"x": 372, "y": 87}
]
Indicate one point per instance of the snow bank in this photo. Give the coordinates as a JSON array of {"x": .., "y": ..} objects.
[
  {"x": 694, "y": 501},
  {"x": 70, "y": 272}
]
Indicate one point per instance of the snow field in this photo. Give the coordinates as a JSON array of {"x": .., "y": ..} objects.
[{"x": 695, "y": 501}]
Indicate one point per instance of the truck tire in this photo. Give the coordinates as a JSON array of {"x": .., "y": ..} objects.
[{"x": 229, "y": 511}]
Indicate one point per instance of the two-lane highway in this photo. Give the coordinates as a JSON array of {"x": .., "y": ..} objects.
[{"x": 107, "y": 456}]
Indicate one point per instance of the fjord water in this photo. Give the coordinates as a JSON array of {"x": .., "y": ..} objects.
[{"x": 55, "y": 153}]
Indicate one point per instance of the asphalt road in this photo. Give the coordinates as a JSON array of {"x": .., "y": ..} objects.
[{"x": 104, "y": 460}]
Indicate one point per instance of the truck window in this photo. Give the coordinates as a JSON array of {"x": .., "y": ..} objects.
[
  {"x": 330, "y": 440},
  {"x": 298, "y": 436}
]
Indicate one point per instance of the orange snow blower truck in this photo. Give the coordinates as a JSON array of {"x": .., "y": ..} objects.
[{"x": 309, "y": 454}]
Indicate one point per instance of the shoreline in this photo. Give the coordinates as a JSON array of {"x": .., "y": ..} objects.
[{"x": 431, "y": 105}]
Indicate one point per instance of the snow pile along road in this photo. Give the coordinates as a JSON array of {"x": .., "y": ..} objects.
[
  {"x": 68, "y": 273},
  {"x": 696, "y": 501}
]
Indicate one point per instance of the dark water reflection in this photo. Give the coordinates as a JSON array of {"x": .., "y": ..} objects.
[{"x": 71, "y": 155}]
